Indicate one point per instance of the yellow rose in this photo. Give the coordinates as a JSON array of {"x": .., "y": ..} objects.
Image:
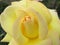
[{"x": 29, "y": 23}]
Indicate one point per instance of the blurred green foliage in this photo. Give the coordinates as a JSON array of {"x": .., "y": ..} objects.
[
  {"x": 53, "y": 4},
  {"x": 2, "y": 6},
  {"x": 3, "y": 43},
  {"x": 50, "y": 3},
  {"x": 2, "y": 33}
]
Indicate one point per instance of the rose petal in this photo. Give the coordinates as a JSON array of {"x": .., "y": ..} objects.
[
  {"x": 54, "y": 36},
  {"x": 12, "y": 42},
  {"x": 7, "y": 38}
]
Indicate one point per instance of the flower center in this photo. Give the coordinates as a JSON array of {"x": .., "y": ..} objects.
[{"x": 29, "y": 27}]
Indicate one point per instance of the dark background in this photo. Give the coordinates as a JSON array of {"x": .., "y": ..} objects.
[{"x": 52, "y": 4}]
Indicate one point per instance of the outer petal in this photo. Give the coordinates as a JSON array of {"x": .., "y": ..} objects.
[
  {"x": 54, "y": 36},
  {"x": 7, "y": 38},
  {"x": 12, "y": 42},
  {"x": 7, "y": 19},
  {"x": 9, "y": 16},
  {"x": 55, "y": 24},
  {"x": 46, "y": 42},
  {"x": 41, "y": 9},
  {"x": 54, "y": 15},
  {"x": 43, "y": 42}
]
